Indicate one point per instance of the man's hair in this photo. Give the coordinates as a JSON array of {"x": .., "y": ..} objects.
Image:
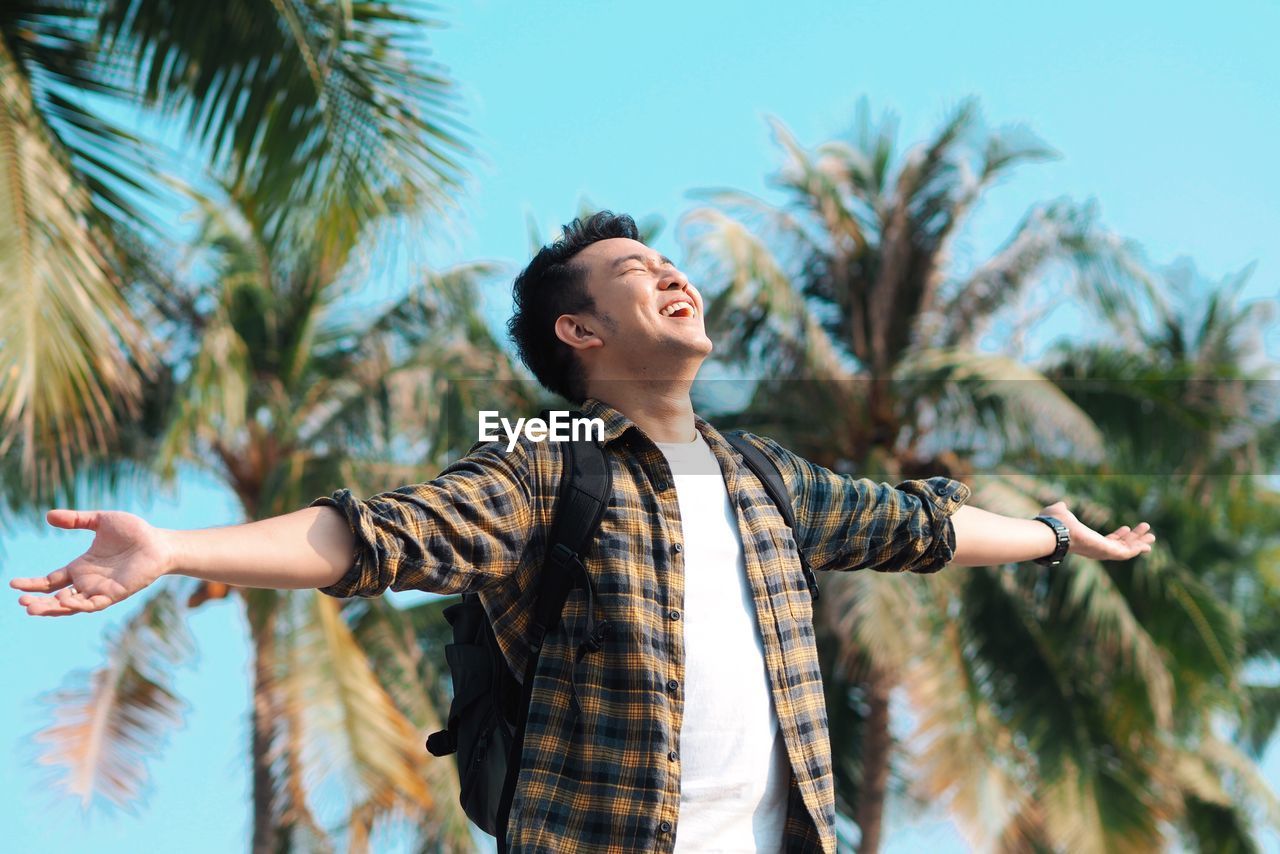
[{"x": 553, "y": 285}]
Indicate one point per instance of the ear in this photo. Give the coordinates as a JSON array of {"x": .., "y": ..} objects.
[{"x": 573, "y": 330}]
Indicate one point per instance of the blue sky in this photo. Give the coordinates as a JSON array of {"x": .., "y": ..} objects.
[{"x": 1163, "y": 113}]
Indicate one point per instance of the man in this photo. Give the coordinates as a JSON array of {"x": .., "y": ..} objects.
[{"x": 699, "y": 721}]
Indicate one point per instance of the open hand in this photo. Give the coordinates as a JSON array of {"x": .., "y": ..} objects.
[
  {"x": 126, "y": 555},
  {"x": 1121, "y": 544}
]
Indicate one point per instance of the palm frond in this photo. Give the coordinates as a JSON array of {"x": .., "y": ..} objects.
[
  {"x": 1245, "y": 777},
  {"x": 759, "y": 309},
  {"x": 354, "y": 735},
  {"x": 993, "y": 404},
  {"x": 71, "y": 353},
  {"x": 418, "y": 372},
  {"x": 1104, "y": 271},
  {"x": 110, "y": 722},
  {"x": 1044, "y": 679},
  {"x": 334, "y": 114},
  {"x": 1110, "y": 622},
  {"x": 1263, "y": 718},
  {"x": 962, "y": 749},
  {"x": 1218, "y": 828},
  {"x": 876, "y": 614},
  {"x": 819, "y": 187}
]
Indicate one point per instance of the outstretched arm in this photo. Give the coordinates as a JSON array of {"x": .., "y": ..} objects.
[
  {"x": 463, "y": 531},
  {"x": 309, "y": 548},
  {"x": 987, "y": 539}
]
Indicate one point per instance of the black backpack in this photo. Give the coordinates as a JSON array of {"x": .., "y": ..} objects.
[{"x": 487, "y": 716}]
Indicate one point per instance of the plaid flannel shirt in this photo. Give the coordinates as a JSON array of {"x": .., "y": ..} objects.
[{"x": 601, "y": 763}]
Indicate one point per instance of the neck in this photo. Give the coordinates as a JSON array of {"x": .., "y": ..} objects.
[{"x": 662, "y": 409}]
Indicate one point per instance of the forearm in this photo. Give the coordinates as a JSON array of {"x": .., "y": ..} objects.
[
  {"x": 986, "y": 539},
  {"x": 308, "y": 548}
]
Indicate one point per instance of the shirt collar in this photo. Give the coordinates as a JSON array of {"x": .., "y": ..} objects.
[{"x": 616, "y": 424}]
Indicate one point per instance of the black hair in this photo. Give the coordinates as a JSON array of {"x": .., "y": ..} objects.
[{"x": 553, "y": 285}]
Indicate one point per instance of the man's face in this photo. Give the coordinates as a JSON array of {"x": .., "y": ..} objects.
[{"x": 647, "y": 314}]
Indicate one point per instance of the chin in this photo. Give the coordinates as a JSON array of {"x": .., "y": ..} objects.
[{"x": 694, "y": 346}]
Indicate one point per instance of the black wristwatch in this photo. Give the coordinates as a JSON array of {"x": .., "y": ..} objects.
[{"x": 1064, "y": 541}]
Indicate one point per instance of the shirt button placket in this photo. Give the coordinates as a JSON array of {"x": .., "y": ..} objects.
[{"x": 666, "y": 827}]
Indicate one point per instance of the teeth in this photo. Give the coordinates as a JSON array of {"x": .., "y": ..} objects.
[{"x": 676, "y": 306}]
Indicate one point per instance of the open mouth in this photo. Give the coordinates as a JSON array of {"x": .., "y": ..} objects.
[{"x": 681, "y": 308}]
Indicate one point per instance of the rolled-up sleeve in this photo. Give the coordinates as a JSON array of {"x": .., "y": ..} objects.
[
  {"x": 464, "y": 531},
  {"x": 847, "y": 523}
]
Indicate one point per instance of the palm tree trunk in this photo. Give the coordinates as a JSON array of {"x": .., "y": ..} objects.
[
  {"x": 876, "y": 744},
  {"x": 264, "y": 794}
]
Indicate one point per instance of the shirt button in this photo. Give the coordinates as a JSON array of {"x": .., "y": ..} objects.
[
  {"x": 673, "y": 756},
  {"x": 673, "y": 684},
  {"x": 677, "y": 548},
  {"x": 665, "y": 827},
  {"x": 673, "y": 614},
  {"x": 662, "y": 486}
]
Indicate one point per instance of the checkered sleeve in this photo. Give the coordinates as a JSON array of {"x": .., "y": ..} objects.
[
  {"x": 462, "y": 532},
  {"x": 846, "y": 523}
]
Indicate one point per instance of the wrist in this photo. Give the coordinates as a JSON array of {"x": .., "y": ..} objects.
[
  {"x": 173, "y": 547},
  {"x": 1060, "y": 540}
]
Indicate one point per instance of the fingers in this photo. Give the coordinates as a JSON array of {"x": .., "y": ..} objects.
[
  {"x": 44, "y": 606},
  {"x": 1124, "y": 543},
  {"x": 67, "y": 600},
  {"x": 42, "y": 584},
  {"x": 73, "y": 519},
  {"x": 1142, "y": 531},
  {"x": 63, "y": 603}
]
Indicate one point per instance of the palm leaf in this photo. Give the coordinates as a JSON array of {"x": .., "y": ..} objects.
[
  {"x": 962, "y": 749},
  {"x": 333, "y": 113},
  {"x": 70, "y": 351},
  {"x": 356, "y": 741},
  {"x": 1104, "y": 271},
  {"x": 1246, "y": 777},
  {"x": 759, "y": 310},
  {"x": 110, "y": 722},
  {"x": 993, "y": 404}
]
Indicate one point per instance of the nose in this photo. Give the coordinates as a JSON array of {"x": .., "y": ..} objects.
[{"x": 673, "y": 279}]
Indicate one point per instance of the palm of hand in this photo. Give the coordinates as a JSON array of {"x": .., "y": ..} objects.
[
  {"x": 122, "y": 560},
  {"x": 126, "y": 555}
]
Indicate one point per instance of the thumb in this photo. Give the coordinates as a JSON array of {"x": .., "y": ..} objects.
[{"x": 73, "y": 519}]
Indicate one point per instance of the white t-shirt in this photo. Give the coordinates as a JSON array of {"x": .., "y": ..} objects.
[{"x": 734, "y": 768}]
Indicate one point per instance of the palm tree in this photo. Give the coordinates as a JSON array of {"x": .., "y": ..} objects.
[
  {"x": 1191, "y": 418},
  {"x": 283, "y": 395},
  {"x": 330, "y": 114},
  {"x": 845, "y": 298},
  {"x": 319, "y": 120}
]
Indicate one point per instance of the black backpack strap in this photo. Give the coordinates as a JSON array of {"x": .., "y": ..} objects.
[
  {"x": 764, "y": 468},
  {"x": 586, "y": 486},
  {"x": 585, "y": 489}
]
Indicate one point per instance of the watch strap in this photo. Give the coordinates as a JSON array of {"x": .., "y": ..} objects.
[{"x": 1064, "y": 541}]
